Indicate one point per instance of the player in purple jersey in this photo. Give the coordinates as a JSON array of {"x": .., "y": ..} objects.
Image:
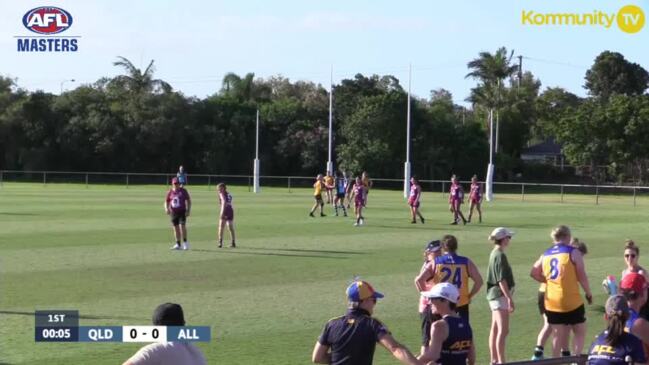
[
  {"x": 359, "y": 192},
  {"x": 178, "y": 204},
  {"x": 475, "y": 196},
  {"x": 413, "y": 200},
  {"x": 226, "y": 216},
  {"x": 614, "y": 346},
  {"x": 455, "y": 199}
]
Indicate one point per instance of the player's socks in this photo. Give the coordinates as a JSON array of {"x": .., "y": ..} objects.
[
  {"x": 220, "y": 244},
  {"x": 311, "y": 215},
  {"x": 344, "y": 210},
  {"x": 414, "y": 221},
  {"x": 336, "y": 209},
  {"x": 233, "y": 245},
  {"x": 422, "y": 219}
]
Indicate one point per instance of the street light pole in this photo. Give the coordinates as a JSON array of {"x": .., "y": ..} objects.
[
  {"x": 255, "y": 186},
  {"x": 330, "y": 164},
  {"x": 63, "y": 82}
]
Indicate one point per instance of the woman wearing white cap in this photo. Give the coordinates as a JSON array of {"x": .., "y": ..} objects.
[
  {"x": 614, "y": 346},
  {"x": 500, "y": 287},
  {"x": 451, "y": 337}
]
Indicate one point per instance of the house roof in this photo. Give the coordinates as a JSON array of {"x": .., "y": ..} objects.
[{"x": 548, "y": 147}]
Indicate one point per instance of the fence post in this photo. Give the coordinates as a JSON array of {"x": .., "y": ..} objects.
[
  {"x": 44, "y": 178},
  {"x": 86, "y": 181},
  {"x": 562, "y": 193},
  {"x": 127, "y": 181},
  {"x": 634, "y": 193},
  {"x": 522, "y": 192},
  {"x": 597, "y": 195},
  {"x": 248, "y": 183},
  {"x": 289, "y": 184},
  {"x": 1, "y": 178},
  {"x": 209, "y": 181},
  {"x": 443, "y": 186}
]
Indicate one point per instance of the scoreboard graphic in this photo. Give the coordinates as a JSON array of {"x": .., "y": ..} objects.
[{"x": 63, "y": 326}]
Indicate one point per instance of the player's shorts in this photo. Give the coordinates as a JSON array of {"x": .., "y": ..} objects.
[
  {"x": 359, "y": 203},
  {"x": 475, "y": 200},
  {"x": 576, "y": 316},
  {"x": 228, "y": 213},
  {"x": 178, "y": 218},
  {"x": 463, "y": 312},
  {"x": 541, "y": 302},
  {"x": 414, "y": 204},
  {"x": 318, "y": 198}
]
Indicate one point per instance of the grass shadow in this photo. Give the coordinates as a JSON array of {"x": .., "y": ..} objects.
[
  {"x": 302, "y": 250},
  {"x": 237, "y": 251},
  {"x": 18, "y": 214}
]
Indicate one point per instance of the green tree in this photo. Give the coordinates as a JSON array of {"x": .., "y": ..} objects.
[
  {"x": 612, "y": 74},
  {"x": 139, "y": 82}
]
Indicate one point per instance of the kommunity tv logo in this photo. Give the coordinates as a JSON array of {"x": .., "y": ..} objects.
[{"x": 629, "y": 19}]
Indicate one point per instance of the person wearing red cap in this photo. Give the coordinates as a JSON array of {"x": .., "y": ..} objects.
[
  {"x": 178, "y": 205},
  {"x": 634, "y": 288},
  {"x": 351, "y": 339}
]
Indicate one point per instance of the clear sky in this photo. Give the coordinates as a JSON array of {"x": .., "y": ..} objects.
[{"x": 194, "y": 43}]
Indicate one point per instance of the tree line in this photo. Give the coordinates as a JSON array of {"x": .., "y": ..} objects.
[{"x": 137, "y": 123}]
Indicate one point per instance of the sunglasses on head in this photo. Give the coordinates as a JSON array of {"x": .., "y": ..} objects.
[{"x": 631, "y": 255}]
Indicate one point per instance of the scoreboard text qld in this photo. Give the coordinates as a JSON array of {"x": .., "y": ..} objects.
[{"x": 63, "y": 326}]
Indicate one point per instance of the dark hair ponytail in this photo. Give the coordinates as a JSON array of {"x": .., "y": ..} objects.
[{"x": 615, "y": 328}]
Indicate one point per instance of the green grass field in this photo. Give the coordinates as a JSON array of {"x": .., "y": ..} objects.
[{"x": 104, "y": 250}]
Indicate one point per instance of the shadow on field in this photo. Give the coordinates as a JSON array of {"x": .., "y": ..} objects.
[
  {"x": 237, "y": 251},
  {"x": 19, "y": 313},
  {"x": 8, "y": 213},
  {"x": 301, "y": 250}
]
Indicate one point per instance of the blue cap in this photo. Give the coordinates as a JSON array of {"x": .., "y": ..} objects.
[
  {"x": 361, "y": 290},
  {"x": 433, "y": 246}
]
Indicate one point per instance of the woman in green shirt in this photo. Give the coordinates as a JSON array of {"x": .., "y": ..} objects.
[{"x": 500, "y": 287}]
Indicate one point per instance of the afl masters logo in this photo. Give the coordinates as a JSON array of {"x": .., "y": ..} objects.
[{"x": 47, "y": 22}]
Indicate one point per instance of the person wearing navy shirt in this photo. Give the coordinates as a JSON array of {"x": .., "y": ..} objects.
[
  {"x": 351, "y": 339},
  {"x": 451, "y": 337},
  {"x": 614, "y": 346},
  {"x": 181, "y": 176}
]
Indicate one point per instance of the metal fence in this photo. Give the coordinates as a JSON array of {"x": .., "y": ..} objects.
[{"x": 523, "y": 191}]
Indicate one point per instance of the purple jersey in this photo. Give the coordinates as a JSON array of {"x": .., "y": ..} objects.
[
  {"x": 177, "y": 200},
  {"x": 359, "y": 193},
  {"x": 475, "y": 191},
  {"x": 456, "y": 192},
  {"x": 227, "y": 197}
]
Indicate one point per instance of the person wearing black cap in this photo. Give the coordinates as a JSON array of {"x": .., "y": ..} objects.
[
  {"x": 351, "y": 339},
  {"x": 424, "y": 282},
  {"x": 451, "y": 336},
  {"x": 614, "y": 346},
  {"x": 168, "y": 353}
]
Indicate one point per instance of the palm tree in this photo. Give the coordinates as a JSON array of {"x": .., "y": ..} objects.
[
  {"x": 238, "y": 87},
  {"x": 491, "y": 70},
  {"x": 137, "y": 81}
]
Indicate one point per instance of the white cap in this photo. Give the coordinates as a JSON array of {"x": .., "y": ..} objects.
[
  {"x": 500, "y": 233},
  {"x": 443, "y": 290}
]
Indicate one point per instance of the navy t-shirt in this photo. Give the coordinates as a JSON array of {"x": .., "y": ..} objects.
[
  {"x": 455, "y": 349},
  {"x": 352, "y": 337},
  {"x": 601, "y": 353}
]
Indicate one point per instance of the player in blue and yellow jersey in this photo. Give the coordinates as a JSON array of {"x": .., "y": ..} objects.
[
  {"x": 451, "y": 336},
  {"x": 614, "y": 346},
  {"x": 562, "y": 268},
  {"x": 318, "y": 185},
  {"x": 351, "y": 339},
  {"x": 457, "y": 270}
]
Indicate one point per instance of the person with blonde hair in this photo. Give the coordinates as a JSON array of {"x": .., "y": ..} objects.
[
  {"x": 562, "y": 268},
  {"x": 475, "y": 198}
]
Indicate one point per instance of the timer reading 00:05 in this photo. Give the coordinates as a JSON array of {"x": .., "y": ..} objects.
[{"x": 56, "y": 333}]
